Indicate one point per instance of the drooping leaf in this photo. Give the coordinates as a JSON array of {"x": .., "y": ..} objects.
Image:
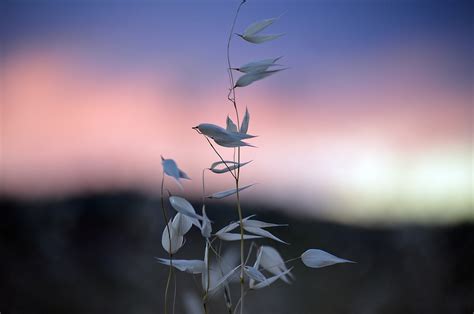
[
  {"x": 227, "y": 236},
  {"x": 270, "y": 280},
  {"x": 263, "y": 233},
  {"x": 316, "y": 258},
  {"x": 251, "y": 77},
  {"x": 258, "y": 66},
  {"x": 226, "y": 193},
  {"x": 218, "y": 133},
  {"x": 272, "y": 261},
  {"x": 189, "y": 266},
  {"x": 259, "y": 39},
  {"x": 230, "y": 125},
  {"x": 206, "y": 228},
  {"x": 254, "y": 273},
  {"x": 258, "y": 26},
  {"x": 184, "y": 207},
  {"x": 171, "y": 169},
  {"x": 171, "y": 240},
  {"x": 219, "y": 166}
]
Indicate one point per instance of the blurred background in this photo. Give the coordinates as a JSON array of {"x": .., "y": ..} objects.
[{"x": 364, "y": 148}]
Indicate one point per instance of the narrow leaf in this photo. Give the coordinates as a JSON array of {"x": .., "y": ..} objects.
[
  {"x": 254, "y": 273},
  {"x": 259, "y": 39},
  {"x": 263, "y": 233},
  {"x": 261, "y": 224},
  {"x": 270, "y": 280},
  {"x": 226, "y": 193},
  {"x": 235, "y": 236},
  {"x": 230, "y": 125},
  {"x": 251, "y": 77},
  {"x": 189, "y": 266},
  {"x": 230, "y": 165},
  {"x": 206, "y": 227},
  {"x": 258, "y": 66},
  {"x": 258, "y": 26},
  {"x": 245, "y": 122},
  {"x": 318, "y": 258}
]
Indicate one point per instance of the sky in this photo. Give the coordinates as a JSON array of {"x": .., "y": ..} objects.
[{"x": 372, "y": 120}]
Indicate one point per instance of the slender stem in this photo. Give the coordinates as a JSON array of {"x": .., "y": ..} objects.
[
  {"x": 232, "y": 98},
  {"x": 165, "y": 217},
  {"x": 215, "y": 150}
]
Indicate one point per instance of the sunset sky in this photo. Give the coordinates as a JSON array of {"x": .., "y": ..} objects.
[{"x": 371, "y": 120}]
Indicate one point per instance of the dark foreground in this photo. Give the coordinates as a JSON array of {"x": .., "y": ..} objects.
[{"x": 95, "y": 255}]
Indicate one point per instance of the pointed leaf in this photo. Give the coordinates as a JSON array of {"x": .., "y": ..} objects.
[
  {"x": 245, "y": 122},
  {"x": 258, "y": 26},
  {"x": 251, "y": 77},
  {"x": 171, "y": 240},
  {"x": 230, "y": 125},
  {"x": 230, "y": 165},
  {"x": 272, "y": 261},
  {"x": 254, "y": 273},
  {"x": 270, "y": 280},
  {"x": 259, "y": 39},
  {"x": 257, "y": 66},
  {"x": 206, "y": 228},
  {"x": 235, "y": 236},
  {"x": 171, "y": 169},
  {"x": 239, "y": 143},
  {"x": 189, "y": 266},
  {"x": 226, "y": 193},
  {"x": 263, "y": 233},
  {"x": 182, "y": 224},
  {"x": 182, "y": 206},
  {"x": 318, "y": 258},
  {"x": 261, "y": 224}
]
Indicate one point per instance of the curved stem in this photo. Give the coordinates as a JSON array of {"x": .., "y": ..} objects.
[{"x": 165, "y": 217}]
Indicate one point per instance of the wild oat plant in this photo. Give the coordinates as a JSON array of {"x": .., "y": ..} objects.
[{"x": 268, "y": 266}]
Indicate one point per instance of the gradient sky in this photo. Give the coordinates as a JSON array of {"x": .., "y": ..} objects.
[{"x": 372, "y": 120}]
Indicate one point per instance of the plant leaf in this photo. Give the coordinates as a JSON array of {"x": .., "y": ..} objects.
[
  {"x": 171, "y": 169},
  {"x": 251, "y": 77},
  {"x": 182, "y": 224},
  {"x": 245, "y": 122},
  {"x": 316, "y": 258},
  {"x": 263, "y": 233},
  {"x": 270, "y": 280},
  {"x": 177, "y": 240},
  {"x": 232, "y": 143},
  {"x": 258, "y": 26},
  {"x": 258, "y": 66},
  {"x": 259, "y": 39},
  {"x": 272, "y": 261},
  {"x": 181, "y": 205},
  {"x": 189, "y": 266},
  {"x": 230, "y": 165},
  {"x": 219, "y": 195},
  {"x": 261, "y": 224},
  {"x": 227, "y": 236},
  {"x": 230, "y": 125},
  {"x": 254, "y": 273},
  {"x": 223, "y": 279},
  {"x": 206, "y": 228}
]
